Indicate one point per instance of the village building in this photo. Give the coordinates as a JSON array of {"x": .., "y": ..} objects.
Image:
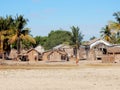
[
  {"x": 55, "y": 55},
  {"x": 96, "y": 48},
  {"x": 114, "y": 52},
  {"x": 67, "y": 48},
  {"x": 34, "y": 55}
]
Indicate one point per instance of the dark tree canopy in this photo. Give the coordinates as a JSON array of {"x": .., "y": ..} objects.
[{"x": 57, "y": 37}]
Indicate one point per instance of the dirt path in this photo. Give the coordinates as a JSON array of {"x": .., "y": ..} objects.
[{"x": 88, "y": 78}]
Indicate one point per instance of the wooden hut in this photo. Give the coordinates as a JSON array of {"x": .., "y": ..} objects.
[
  {"x": 55, "y": 55},
  {"x": 34, "y": 55}
]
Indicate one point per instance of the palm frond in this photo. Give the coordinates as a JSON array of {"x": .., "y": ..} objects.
[
  {"x": 30, "y": 38},
  {"x": 114, "y": 25},
  {"x": 13, "y": 39}
]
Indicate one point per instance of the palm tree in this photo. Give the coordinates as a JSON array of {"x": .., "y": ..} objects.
[
  {"x": 117, "y": 16},
  {"x": 20, "y": 33},
  {"x": 115, "y": 38},
  {"x": 76, "y": 39},
  {"x": 115, "y": 28},
  {"x": 115, "y": 25},
  {"x": 5, "y": 32},
  {"x": 106, "y": 33},
  {"x": 1, "y": 29}
]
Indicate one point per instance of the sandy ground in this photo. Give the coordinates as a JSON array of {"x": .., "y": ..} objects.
[{"x": 92, "y": 77}]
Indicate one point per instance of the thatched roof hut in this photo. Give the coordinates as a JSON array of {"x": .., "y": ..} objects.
[
  {"x": 55, "y": 55},
  {"x": 34, "y": 55}
]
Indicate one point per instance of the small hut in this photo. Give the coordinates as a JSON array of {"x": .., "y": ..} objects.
[
  {"x": 55, "y": 55},
  {"x": 34, "y": 55}
]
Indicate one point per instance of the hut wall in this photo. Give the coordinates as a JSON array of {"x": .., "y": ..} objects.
[
  {"x": 108, "y": 59},
  {"x": 117, "y": 57},
  {"x": 82, "y": 53},
  {"x": 55, "y": 56},
  {"x": 69, "y": 51},
  {"x": 45, "y": 56},
  {"x": 32, "y": 55},
  {"x": 92, "y": 55}
]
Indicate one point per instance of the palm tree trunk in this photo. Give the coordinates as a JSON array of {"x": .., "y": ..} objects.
[
  {"x": 18, "y": 45},
  {"x": 75, "y": 52}
]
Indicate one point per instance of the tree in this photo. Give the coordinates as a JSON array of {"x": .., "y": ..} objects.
[
  {"x": 57, "y": 37},
  {"x": 106, "y": 33},
  {"x": 5, "y": 31},
  {"x": 115, "y": 28},
  {"x": 117, "y": 16},
  {"x": 93, "y": 37},
  {"x": 20, "y": 33},
  {"x": 40, "y": 40},
  {"x": 115, "y": 25},
  {"x": 115, "y": 38},
  {"x": 77, "y": 37}
]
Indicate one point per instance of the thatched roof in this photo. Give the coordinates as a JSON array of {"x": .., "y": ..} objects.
[{"x": 32, "y": 49}]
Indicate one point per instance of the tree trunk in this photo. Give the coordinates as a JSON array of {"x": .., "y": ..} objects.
[
  {"x": 18, "y": 45},
  {"x": 75, "y": 52}
]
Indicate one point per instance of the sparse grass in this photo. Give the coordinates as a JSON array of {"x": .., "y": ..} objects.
[
  {"x": 54, "y": 65},
  {"x": 38, "y": 66}
]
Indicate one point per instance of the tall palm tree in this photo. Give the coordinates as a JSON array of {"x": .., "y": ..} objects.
[
  {"x": 76, "y": 39},
  {"x": 20, "y": 33},
  {"x": 106, "y": 33},
  {"x": 1, "y": 29},
  {"x": 6, "y": 28}
]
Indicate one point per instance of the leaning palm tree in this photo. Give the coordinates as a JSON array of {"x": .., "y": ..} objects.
[
  {"x": 20, "y": 32},
  {"x": 106, "y": 33}
]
